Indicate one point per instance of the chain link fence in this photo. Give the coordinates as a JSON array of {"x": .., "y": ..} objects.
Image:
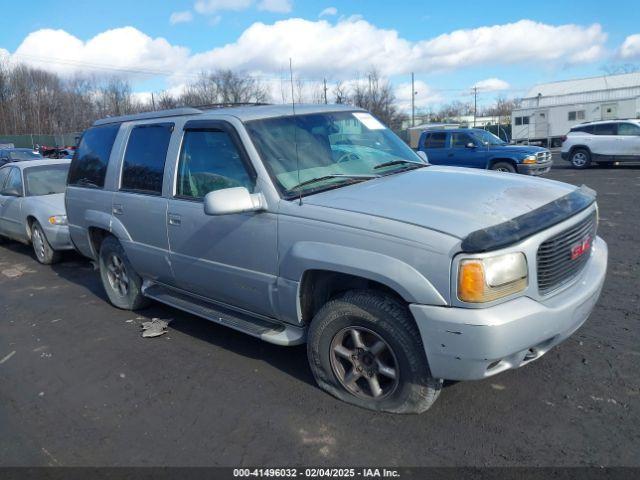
[{"x": 31, "y": 140}]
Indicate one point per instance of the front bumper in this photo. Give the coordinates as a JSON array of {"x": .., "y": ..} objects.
[
  {"x": 475, "y": 343},
  {"x": 534, "y": 168},
  {"x": 58, "y": 236}
]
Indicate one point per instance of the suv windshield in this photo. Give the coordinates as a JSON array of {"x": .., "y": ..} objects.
[
  {"x": 488, "y": 138},
  {"x": 45, "y": 180},
  {"x": 331, "y": 149},
  {"x": 19, "y": 155}
]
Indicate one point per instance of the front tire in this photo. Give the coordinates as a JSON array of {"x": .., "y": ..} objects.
[
  {"x": 580, "y": 158},
  {"x": 505, "y": 167},
  {"x": 120, "y": 281},
  {"x": 45, "y": 254},
  {"x": 365, "y": 349}
]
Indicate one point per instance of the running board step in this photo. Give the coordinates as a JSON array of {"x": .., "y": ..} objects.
[{"x": 266, "y": 330}]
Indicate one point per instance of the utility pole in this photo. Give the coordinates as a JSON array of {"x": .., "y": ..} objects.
[
  {"x": 324, "y": 81},
  {"x": 413, "y": 101},
  {"x": 153, "y": 101},
  {"x": 475, "y": 105}
]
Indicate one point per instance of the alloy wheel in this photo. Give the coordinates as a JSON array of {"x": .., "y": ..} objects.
[
  {"x": 117, "y": 275},
  {"x": 364, "y": 363},
  {"x": 38, "y": 243},
  {"x": 579, "y": 159}
]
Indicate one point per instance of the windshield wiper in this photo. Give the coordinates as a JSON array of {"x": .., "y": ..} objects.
[
  {"x": 334, "y": 175},
  {"x": 399, "y": 162}
]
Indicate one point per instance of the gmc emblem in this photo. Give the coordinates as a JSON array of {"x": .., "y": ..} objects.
[{"x": 581, "y": 248}]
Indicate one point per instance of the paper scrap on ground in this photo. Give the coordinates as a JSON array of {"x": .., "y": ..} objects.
[{"x": 155, "y": 327}]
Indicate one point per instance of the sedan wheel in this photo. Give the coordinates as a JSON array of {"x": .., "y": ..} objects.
[{"x": 43, "y": 251}]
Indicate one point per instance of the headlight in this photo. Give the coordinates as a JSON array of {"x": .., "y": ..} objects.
[
  {"x": 529, "y": 159},
  {"x": 486, "y": 279},
  {"x": 58, "y": 220}
]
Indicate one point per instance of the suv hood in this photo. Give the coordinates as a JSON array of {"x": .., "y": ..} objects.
[{"x": 452, "y": 200}]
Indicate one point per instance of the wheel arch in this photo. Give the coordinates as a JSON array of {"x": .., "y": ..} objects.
[
  {"x": 495, "y": 160},
  {"x": 320, "y": 271}
]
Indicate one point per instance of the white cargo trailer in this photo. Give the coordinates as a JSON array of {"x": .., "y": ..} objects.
[{"x": 549, "y": 110}]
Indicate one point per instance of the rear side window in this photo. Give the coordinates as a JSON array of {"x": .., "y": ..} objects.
[
  {"x": 435, "y": 140},
  {"x": 143, "y": 167},
  {"x": 606, "y": 129},
  {"x": 89, "y": 165}
]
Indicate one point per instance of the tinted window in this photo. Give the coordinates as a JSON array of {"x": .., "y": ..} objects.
[
  {"x": 628, "y": 129},
  {"x": 460, "y": 140},
  {"x": 143, "y": 166},
  {"x": 605, "y": 129},
  {"x": 210, "y": 161},
  {"x": 584, "y": 128},
  {"x": 14, "y": 182},
  {"x": 89, "y": 165},
  {"x": 45, "y": 180},
  {"x": 436, "y": 140},
  {"x": 4, "y": 173}
]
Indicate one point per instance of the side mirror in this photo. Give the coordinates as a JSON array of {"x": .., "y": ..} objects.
[
  {"x": 233, "y": 200},
  {"x": 470, "y": 145},
  {"x": 423, "y": 156}
]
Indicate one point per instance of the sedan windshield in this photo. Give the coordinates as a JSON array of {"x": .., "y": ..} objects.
[
  {"x": 45, "y": 180},
  {"x": 20, "y": 155},
  {"x": 309, "y": 153},
  {"x": 488, "y": 138}
]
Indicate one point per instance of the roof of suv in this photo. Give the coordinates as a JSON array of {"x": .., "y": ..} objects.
[
  {"x": 604, "y": 122},
  {"x": 244, "y": 113}
]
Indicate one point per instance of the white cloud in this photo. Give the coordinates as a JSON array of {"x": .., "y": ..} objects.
[
  {"x": 212, "y": 6},
  {"x": 181, "y": 17},
  {"x": 425, "y": 96},
  {"x": 276, "y": 6},
  {"x": 631, "y": 47},
  {"x": 120, "y": 49},
  {"x": 492, "y": 84},
  {"x": 353, "y": 44},
  {"x": 328, "y": 12},
  {"x": 340, "y": 49}
]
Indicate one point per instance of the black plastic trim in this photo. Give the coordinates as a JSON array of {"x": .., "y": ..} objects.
[{"x": 516, "y": 230}]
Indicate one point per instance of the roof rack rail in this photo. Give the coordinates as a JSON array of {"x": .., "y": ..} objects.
[
  {"x": 209, "y": 106},
  {"x": 173, "y": 112}
]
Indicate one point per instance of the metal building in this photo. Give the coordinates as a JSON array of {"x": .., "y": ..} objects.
[{"x": 549, "y": 110}]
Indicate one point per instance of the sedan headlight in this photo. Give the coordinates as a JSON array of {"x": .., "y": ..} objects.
[
  {"x": 58, "y": 220},
  {"x": 529, "y": 159},
  {"x": 483, "y": 280}
]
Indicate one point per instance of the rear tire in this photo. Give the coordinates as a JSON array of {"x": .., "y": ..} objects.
[
  {"x": 42, "y": 249},
  {"x": 120, "y": 281},
  {"x": 383, "y": 366},
  {"x": 505, "y": 167},
  {"x": 580, "y": 158}
]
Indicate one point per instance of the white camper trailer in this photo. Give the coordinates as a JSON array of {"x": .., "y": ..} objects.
[{"x": 549, "y": 110}]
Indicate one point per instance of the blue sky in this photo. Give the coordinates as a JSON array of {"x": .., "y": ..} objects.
[{"x": 508, "y": 46}]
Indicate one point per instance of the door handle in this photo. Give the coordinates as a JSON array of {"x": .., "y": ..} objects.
[
  {"x": 117, "y": 209},
  {"x": 174, "y": 219}
]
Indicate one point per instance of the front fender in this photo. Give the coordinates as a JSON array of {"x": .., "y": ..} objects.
[{"x": 395, "y": 274}]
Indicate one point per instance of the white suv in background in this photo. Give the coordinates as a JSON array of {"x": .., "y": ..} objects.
[{"x": 602, "y": 142}]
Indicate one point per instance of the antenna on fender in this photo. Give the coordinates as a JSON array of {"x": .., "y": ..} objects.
[{"x": 295, "y": 130}]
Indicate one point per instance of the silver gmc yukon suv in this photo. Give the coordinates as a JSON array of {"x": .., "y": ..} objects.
[{"x": 324, "y": 227}]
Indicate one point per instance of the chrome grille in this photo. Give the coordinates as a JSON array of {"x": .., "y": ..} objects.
[
  {"x": 555, "y": 263},
  {"x": 542, "y": 157}
]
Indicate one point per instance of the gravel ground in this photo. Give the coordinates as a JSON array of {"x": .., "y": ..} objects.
[{"x": 79, "y": 386}]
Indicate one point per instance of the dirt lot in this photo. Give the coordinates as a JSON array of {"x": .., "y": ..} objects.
[{"x": 79, "y": 386}]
